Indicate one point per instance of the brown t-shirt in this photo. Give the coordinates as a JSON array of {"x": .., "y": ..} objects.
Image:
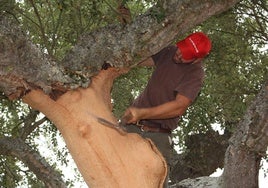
[{"x": 168, "y": 80}]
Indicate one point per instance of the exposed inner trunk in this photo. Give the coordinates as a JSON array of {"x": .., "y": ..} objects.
[{"x": 104, "y": 157}]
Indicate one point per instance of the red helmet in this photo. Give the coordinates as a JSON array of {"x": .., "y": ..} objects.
[{"x": 196, "y": 45}]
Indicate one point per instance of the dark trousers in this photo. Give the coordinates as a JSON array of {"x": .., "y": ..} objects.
[{"x": 162, "y": 142}]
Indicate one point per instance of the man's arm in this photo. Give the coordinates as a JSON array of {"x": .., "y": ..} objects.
[{"x": 167, "y": 110}]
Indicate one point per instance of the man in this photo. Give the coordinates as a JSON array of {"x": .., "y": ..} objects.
[{"x": 173, "y": 86}]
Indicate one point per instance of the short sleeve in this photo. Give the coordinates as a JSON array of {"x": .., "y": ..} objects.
[{"x": 191, "y": 84}]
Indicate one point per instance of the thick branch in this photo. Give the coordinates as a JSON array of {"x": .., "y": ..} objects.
[
  {"x": 30, "y": 124},
  {"x": 23, "y": 66},
  {"x": 146, "y": 35},
  {"x": 17, "y": 148}
]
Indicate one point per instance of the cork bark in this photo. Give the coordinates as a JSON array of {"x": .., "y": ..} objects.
[{"x": 104, "y": 156}]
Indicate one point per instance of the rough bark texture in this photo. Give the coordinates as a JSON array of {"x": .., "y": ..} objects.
[
  {"x": 247, "y": 145},
  {"x": 145, "y": 36},
  {"x": 104, "y": 156},
  {"x": 97, "y": 148},
  {"x": 201, "y": 182},
  {"x": 23, "y": 67},
  {"x": 44, "y": 172}
]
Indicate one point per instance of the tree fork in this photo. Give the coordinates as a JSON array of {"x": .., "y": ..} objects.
[{"x": 104, "y": 157}]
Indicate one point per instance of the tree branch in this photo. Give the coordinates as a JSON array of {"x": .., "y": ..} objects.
[
  {"x": 30, "y": 124},
  {"x": 146, "y": 35},
  {"x": 22, "y": 66},
  {"x": 17, "y": 148}
]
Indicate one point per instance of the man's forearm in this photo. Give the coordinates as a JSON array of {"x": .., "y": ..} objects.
[{"x": 167, "y": 110}]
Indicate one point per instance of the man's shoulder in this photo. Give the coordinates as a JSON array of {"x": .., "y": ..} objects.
[
  {"x": 196, "y": 70},
  {"x": 165, "y": 53}
]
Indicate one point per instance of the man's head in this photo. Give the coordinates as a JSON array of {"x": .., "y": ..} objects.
[{"x": 193, "y": 47}]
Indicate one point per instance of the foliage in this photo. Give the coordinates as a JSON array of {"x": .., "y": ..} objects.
[
  {"x": 10, "y": 117},
  {"x": 55, "y": 27},
  {"x": 127, "y": 87},
  {"x": 7, "y": 169},
  {"x": 235, "y": 72},
  {"x": 235, "y": 68},
  {"x": 6, "y": 6}
]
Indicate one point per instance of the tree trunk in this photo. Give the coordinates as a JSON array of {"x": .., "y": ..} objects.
[
  {"x": 104, "y": 156},
  {"x": 247, "y": 145}
]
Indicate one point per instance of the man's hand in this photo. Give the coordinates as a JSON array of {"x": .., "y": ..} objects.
[
  {"x": 132, "y": 115},
  {"x": 167, "y": 110}
]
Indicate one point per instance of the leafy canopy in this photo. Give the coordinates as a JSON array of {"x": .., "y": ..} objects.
[{"x": 235, "y": 69}]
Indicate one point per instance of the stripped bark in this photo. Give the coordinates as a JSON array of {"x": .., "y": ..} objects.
[
  {"x": 22, "y": 72},
  {"x": 104, "y": 156}
]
